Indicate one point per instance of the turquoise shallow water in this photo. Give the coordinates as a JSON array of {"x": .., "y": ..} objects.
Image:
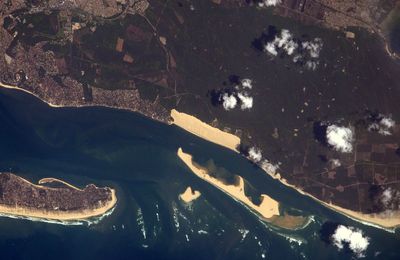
[{"x": 137, "y": 156}]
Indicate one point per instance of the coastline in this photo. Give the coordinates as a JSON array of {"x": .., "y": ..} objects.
[
  {"x": 385, "y": 28},
  {"x": 59, "y": 215},
  {"x": 376, "y": 220},
  {"x": 214, "y": 135},
  {"x": 33, "y": 94},
  {"x": 6, "y": 86}
]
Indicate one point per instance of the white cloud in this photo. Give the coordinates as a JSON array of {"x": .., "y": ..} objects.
[
  {"x": 311, "y": 65},
  {"x": 269, "y": 167},
  {"x": 267, "y": 3},
  {"x": 284, "y": 38},
  {"x": 313, "y": 47},
  {"x": 335, "y": 163},
  {"x": 306, "y": 51},
  {"x": 282, "y": 41},
  {"x": 246, "y": 100},
  {"x": 297, "y": 58},
  {"x": 387, "y": 196},
  {"x": 340, "y": 138},
  {"x": 228, "y": 101},
  {"x": 290, "y": 47},
  {"x": 286, "y": 42},
  {"x": 247, "y": 83},
  {"x": 383, "y": 126},
  {"x": 255, "y": 154},
  {"x": 354, "y": 238},
  {"x": 390, "y": 198},
  {"x": 387, "y": 122},
  {"x": 271, "y": 48},
  {"x": 238, "y": 95}
]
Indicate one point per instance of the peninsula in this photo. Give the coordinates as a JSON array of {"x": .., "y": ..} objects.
[{"x": 19, "y": 197}]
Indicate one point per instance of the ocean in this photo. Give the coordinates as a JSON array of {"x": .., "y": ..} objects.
[{"x": 137, "y": 156}]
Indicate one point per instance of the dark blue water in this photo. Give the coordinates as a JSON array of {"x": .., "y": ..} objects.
[{"x": 137, "y": 157}]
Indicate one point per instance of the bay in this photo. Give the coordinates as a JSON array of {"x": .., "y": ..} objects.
[{"x": 137, "y": 157}]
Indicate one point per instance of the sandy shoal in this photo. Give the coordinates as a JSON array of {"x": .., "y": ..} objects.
[
  {"x": 205, "y": 131},
  {"x": 289, "y": 221},
  {"x": 189, "y": 195},
  {"x": 268, "y": 206}
]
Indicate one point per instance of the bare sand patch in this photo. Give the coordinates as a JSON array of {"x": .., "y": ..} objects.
[
  {"x": 189, "y": 195},
  {"x": 205, "y": 131}
]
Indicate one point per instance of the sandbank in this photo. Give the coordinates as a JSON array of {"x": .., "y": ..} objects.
[
  {"x": 268, "y": 206},
  {"x": 189, "y": 195},
  {"x": 289, "y": 221},
  {"x": 205, "y": 131}
]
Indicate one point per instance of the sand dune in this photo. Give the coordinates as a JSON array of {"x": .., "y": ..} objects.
[{"x": 205, "y": 131}]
